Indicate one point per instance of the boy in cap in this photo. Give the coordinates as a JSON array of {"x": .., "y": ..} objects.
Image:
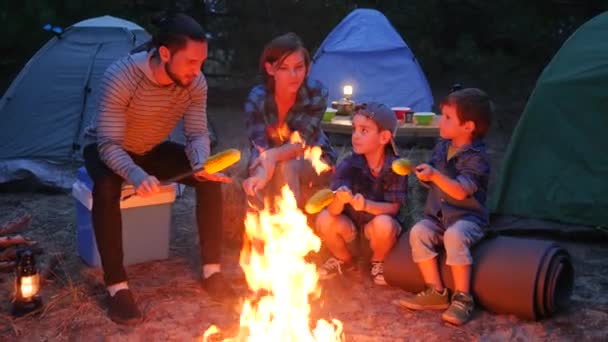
[{"x": 368, "y": 195}]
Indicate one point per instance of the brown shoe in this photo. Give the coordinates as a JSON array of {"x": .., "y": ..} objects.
[
  {"x": 429, "y": 299},
  {"x": 460, "y": 309},
  {"x": 122, "y": 308}
]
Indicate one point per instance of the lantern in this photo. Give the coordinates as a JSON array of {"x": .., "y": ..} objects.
[
  {"x": 27, "y": 283},
  {"x": 348, "y": 91}
]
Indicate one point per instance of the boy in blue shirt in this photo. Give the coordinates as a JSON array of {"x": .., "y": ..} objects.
[
  {"x": 455, "y": 211},
  {"x": 368, "y": 194}
]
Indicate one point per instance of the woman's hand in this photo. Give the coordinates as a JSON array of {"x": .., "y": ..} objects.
[
  {"x": 267, "y": 162},
  {"x": 253, "y": 184}
]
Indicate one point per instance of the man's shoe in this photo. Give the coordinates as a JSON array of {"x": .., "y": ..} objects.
[
  {"x": 219, "y": 289},
  {"x": 460, "y": 310},
  {"x": 377, "y": 272},
  {"x": 429, "y": 299},
  {"x": 333, "y": 267},
  {"x": 122, "y": 308}
]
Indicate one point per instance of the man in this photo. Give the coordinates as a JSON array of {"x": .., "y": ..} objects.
[{"x": 143, "y": 96}]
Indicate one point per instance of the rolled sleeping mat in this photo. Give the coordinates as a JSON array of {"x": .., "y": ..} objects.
[{"x": 528, "y": 278}]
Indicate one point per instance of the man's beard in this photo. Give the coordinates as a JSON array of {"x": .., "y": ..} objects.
[{"x": 174, "y": 77}]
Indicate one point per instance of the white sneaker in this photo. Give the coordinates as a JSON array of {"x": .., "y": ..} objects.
[{"x": 378, "y": 272}]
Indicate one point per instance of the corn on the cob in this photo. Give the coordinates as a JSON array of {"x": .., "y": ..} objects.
[
  {"x": 319, "y": 200},
  {"x": 402, "y": 166},
  {"x": 222, "y": 160}
]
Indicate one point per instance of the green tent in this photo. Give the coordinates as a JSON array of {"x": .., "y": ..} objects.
[{"x": 556, "y": 166}]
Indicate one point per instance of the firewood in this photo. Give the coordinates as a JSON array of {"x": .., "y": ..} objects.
[
  {"x": 15, "y": 224},
  {"x": 7, "y": 266},
  {"x": 10, "y": 253},
  {"x": 6, "y": 241}
]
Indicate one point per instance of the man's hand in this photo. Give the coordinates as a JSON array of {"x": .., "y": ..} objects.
[
  {"x": 150, "y": 185},
  {"x": 425, "y": 172},
  {"x": 358, "y": 202},
  {"x": 213, "y": 177},
  {"x": 344, "y": 195}
]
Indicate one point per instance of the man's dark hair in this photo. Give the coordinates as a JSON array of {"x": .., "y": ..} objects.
[
  {"x": 474, "y": 105},
  {"x": 173, "y": 31}
]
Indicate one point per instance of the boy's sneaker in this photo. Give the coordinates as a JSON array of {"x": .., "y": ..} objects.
[
  {"x": 378, "y": 272},
  {"x": 333, "y": 267},
  {"x": 122, "y": 308},
  {"x": 460, "y": 310},
  {"x": 429, "y": 299}
]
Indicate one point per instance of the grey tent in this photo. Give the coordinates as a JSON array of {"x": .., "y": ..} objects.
[{"x": 54, "y": 97}]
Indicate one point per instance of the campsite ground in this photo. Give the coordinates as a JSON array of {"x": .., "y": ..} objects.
[{"x": 177, "y": 309}]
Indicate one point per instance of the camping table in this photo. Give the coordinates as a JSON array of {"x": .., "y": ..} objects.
[{"x": 343, "y": 125}]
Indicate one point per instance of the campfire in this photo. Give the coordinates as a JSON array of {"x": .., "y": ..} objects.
[{"x": 280, "y": 279}]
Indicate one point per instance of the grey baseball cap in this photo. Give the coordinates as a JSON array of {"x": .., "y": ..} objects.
[{"x": 383, "y": 116}]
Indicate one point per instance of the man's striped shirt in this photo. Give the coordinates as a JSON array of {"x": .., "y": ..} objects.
[{"x": 136, "y": 114}]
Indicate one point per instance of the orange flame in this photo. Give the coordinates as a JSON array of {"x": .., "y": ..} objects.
[
  {"x": 280, "y": 278},
  {"x": 312, "y": 153}
]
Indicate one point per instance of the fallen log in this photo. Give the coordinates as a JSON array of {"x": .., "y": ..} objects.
[
  {"x": 7, "y": 241},
  {"x": 10, "y": 253},
  {"x": 7, "y": 266},
  {"x": 15, "y": 224}
]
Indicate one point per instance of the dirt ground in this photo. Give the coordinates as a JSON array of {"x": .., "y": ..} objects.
[{"x": 176, "y": 308}]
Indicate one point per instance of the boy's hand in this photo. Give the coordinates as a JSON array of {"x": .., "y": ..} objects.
[
  {"x": 425, "y": 172},
  {"x": 344, "y": 195},
  {"x": 358, "y": 202}
]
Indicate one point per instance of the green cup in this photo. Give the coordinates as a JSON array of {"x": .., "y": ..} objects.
[
  {"x": 329, "y": 114},
  {"x": 424, "y": 119}
]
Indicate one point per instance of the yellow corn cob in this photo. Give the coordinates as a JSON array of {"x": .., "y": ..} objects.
[
  {"x": 402, "y": 166},
  {"x": 318, "y": 201},
  {"x": 222, "y": 160}
]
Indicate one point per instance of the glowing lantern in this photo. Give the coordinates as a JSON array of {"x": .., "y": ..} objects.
[
  {"x": 348, "y": 91},
  {"x": 27, "y": 284}
]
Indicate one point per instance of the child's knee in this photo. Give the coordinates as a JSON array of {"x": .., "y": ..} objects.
[
  {"x": 328, "y": 225},
  {"x": 382, "y": 228},
  {"x": 323, "y": 222},
  {"x": 454, "y": 238},
  {"x": 420, "y": 233}
]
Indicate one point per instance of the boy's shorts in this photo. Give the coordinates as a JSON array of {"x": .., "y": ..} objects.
[
  {"x": 426, "y": 235},
  {"x": 360, "y": 221}
]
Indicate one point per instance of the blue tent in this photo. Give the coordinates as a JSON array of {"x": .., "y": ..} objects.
[{"x": 365, "y": 51}]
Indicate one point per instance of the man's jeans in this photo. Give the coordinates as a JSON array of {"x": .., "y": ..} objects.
[{"x": 164, "y": 161}]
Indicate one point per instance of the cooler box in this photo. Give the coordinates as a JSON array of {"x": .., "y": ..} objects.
[{"x": 146, "y": 223}]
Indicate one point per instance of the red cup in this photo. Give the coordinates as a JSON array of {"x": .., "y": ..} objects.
[{"x": 401, "y": 113}]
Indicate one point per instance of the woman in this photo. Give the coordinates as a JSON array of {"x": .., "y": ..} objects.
[{"x": 286, "y": 102}]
